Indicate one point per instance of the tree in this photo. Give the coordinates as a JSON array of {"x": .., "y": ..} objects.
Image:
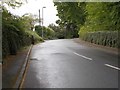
[
  {"x": 59, "y": 31},
  {"x": 14, "y": 3},
  {"x": 29, "y": 20},
  {"x": 102, "y": 17},
  {"x": 38, "y": 29},
  {"x": 48, "y": 33},
  {"x": 72, "y": 15}
]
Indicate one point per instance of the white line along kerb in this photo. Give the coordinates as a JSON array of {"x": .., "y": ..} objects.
[
  {"x": 82, "y": 56},
  {"x": 112, "y": 66}
]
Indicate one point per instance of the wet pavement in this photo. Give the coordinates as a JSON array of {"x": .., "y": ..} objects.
[
  {"x": 12, "y": 67},
  {"x": 67, "y": 64}
]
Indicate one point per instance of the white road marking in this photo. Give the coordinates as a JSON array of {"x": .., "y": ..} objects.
[
  {"x": 112, "y": 66},
  {"x": 82, "y": 56}
]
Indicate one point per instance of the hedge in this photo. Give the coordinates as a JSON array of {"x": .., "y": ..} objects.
[
  {"x": 106, "y": 38},
  {"x": 13, "y": 39}
]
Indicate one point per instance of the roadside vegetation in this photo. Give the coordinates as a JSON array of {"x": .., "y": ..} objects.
[
  {"x": 51, "y": 32},
  {"x": 96, "y": 22},
  {"x": 17, "y": 31},
  {"x": 48, "y": 33}
]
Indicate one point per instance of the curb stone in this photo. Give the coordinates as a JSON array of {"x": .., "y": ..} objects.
[
  {"x": 23, "y": 70},
  {"x": 0, "y": 76}
]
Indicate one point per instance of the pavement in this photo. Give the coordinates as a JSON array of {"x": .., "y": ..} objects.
[
  {"x": 12, "y": 67},
  {"x": 65, "y": 63}
]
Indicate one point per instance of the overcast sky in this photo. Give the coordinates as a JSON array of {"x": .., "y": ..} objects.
[{"x": 34, "y": 5}]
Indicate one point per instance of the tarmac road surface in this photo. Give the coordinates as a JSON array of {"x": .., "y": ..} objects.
[{"x": 64, "y": 63}]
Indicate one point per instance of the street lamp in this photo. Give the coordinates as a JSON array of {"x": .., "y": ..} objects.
[
  {"x": 39, "y": 18},
  {"x": 42, "y": 20}
]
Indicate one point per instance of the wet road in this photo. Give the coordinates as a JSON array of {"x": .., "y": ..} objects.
[{"x": 67, "y": 64}]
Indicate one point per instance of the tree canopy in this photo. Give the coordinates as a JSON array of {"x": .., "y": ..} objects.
[
  {"x": 90, "y": 16},
  {"x": 14, "y": 3}
]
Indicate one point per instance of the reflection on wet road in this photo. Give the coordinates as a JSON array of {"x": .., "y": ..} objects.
[{"x": 66, "y": 64}]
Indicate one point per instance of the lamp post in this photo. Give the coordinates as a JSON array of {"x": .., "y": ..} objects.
[
  {"x": 39, "y": 18},
  {"x": 42, "y": 20}
]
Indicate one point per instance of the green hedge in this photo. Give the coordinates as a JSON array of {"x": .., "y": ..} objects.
[
  {"x": 106, "y": 38},
  {"x": 13, "y": 39}
]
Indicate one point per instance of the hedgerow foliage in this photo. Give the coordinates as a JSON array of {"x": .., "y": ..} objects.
[
  {"x": 105, "y": 38},
  {"x": 16, "y": 33},
  {"x": 102, "y": 23},
  {"x": 48, "y": 33}
]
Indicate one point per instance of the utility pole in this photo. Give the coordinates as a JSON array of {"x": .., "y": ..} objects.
[
  {"x": 39, "y": 18},
  {"x": 42, "y": 20},
  {"x": 40, "y": 23}
]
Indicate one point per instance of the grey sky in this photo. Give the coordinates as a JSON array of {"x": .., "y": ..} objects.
[{"x": 34, "y": 5}]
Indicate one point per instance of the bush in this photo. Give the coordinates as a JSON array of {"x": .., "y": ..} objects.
[
  {"x": 30, "y": 33},
  {"x": 106, "y": 38},
  {"x": 13, "y": 39}
]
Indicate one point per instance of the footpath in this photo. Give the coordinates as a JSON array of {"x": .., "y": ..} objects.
[{"x": 13, "y": 67}]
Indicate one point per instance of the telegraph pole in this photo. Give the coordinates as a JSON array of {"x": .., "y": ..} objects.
[
  {"x": 42, "y": 20},
  {"x": 39, "y": 18}
]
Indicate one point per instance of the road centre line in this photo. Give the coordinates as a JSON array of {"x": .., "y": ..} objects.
[
  {"x": 82, "y": 56},
  {"x": 112, "y": 66}
]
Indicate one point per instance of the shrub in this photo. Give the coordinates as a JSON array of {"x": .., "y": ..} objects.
[
  {"x": 106, "y": 38},
  {"x": 13, "y": 39}
]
